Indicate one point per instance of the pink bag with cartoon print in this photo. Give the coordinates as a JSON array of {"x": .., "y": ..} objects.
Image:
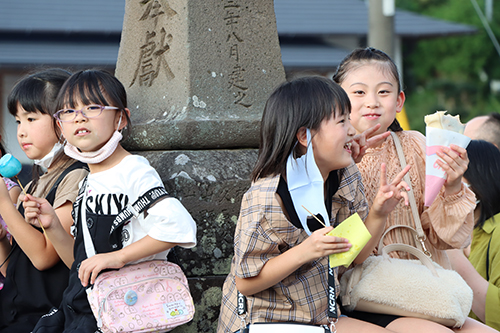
[{"x": 152, "y": 296}]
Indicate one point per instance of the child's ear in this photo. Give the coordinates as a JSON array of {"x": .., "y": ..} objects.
[
  {"x": 400, "y": 101},
  {"x": 124, "y": 120},
  {"x": 59, "y": 129},
  {"x": 302, "y": 136}
]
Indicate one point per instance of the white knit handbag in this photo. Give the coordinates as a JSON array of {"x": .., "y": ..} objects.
[{"x": 413, "y": 288}]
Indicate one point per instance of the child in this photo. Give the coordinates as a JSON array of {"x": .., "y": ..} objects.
[
  {"x": 372, "y": 83},
  {"x": 35, "y": 275},
  {"x": 93, "y": 110},
  {"x": 278, "y": 264},
  {"x": 482, "y": 270}
]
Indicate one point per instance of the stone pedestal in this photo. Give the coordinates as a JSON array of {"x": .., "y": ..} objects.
[{"x": 197, "y": 74}]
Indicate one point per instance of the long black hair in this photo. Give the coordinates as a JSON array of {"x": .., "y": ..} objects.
[
  {"x": 482, "y": 175},
  {"x": 303, "y": 102}
]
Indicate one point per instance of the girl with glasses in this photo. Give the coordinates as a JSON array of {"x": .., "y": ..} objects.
[{"x": 94, "y": 110}]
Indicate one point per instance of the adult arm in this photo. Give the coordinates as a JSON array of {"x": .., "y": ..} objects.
[{"x": 478, "y": 284}]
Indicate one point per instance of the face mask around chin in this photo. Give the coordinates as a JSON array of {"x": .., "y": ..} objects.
[{"x": 47, "y": 160}]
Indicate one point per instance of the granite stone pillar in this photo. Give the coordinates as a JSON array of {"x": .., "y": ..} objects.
[{"x": 198, "y": 73}]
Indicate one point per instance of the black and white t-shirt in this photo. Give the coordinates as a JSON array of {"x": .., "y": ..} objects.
[{"x": 110, "y": 191}]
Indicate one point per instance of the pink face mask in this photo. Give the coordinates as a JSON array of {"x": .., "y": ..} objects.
[
  {"x": 94, "y": 157},
  {"x": 98, "y": 156}
]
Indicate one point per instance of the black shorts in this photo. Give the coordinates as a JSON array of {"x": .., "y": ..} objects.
[
  {"x": 57, "y": 321},
  {"x": 375, "y": 318}
]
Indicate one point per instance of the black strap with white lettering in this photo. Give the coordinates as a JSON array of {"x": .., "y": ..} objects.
[
  {"x": 332, "y": 300},
  {"x": 140, "y": 205}
]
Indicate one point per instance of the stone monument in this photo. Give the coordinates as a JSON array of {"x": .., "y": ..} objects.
[{"x": 198, "y": 73}]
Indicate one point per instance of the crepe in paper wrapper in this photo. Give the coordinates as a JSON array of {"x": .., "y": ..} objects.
[
  {"x": 353, "y": 229},
  {"x": 442, "y": 130}
]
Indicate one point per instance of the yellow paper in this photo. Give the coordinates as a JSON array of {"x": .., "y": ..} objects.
[{"x": 353, "y": 229}]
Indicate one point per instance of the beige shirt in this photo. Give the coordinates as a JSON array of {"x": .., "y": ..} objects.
[{"x": 67, "y": 189}]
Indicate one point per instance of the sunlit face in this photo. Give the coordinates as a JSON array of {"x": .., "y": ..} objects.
[
  {"x": 374, "y": 97},
  {"x": 332, "y": 144},
  {"x": 91, "y": 134},
  {"x": 35, "y": 133}
]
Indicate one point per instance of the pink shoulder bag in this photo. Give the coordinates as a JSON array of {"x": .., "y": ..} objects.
[{"x": 151, "y": 296}]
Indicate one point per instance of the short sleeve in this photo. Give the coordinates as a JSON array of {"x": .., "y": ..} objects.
[
  {"x": 68, "y": 187},
  {"x": 169, "y": 221},
  {"x": 263, "y": 232},
  {"x": 9, "y": 183}
]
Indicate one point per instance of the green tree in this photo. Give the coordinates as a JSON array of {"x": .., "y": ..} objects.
[{"x": 451, "y": 73}]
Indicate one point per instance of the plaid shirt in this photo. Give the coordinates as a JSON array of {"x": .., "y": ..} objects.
[{"x": 263, "y": 232}]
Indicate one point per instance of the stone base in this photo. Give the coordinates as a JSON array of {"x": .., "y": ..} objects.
[
  {"x": 210, "y": 184},
  {"x": 207, "y": 295}
]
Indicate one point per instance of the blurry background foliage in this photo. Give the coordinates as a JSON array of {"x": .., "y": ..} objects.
[{"x": 458, "y": 74}]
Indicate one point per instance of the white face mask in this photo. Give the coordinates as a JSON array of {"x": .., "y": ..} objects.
[
  {"x": 306, "y": 185},
  {"x": 47, "y": 160},
  {"x": 94, "y": 157}
]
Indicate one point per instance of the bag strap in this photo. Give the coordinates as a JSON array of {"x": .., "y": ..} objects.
[
  {"x": 242, "y": 308},
  {"x": 140, "y": 205},
  {"x": 488, "y": 261},
  {"x": 425, "y": 260},
  {"x": 87, "y": 239},
  {"x": 411, "y": 196}
]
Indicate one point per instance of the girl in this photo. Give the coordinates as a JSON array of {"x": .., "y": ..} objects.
[
  {"x": 372, "y": 83},
  {"x": 93, "y": 110},
  {"x": 35, "y": 275},
  {"x": 482, "y": 269},
  {"x": 279, "y": 263}
]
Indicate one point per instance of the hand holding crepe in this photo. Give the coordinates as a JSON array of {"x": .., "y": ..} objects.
[{"x": 441, "y": 131}]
